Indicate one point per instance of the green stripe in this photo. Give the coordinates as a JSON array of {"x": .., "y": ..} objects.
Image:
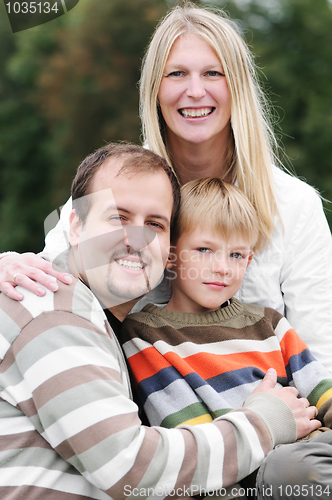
[
  {"x": 189, "y": 412},
  {"x": 319, "y": 390},
  {"x": 220, "y": 413}
]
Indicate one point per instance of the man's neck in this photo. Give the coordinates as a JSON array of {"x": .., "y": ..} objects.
[{"x": 122, "y": 310}]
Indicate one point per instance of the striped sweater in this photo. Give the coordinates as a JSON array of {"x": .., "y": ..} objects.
[
  {"x": 190, "y": 368},
  {"x": 69, "y": 429}
]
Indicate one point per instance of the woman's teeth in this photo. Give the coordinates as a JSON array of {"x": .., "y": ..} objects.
[
  {"x": 131, "y": 265},
  {"x": 195, "y": 113}
]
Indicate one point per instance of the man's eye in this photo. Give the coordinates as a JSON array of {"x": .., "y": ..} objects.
[
  {"x": 116, "y": 219},
  {"x": 156, "y": 225}
]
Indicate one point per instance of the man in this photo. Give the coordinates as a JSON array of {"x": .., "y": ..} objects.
[{"x": 69, "y": 428}]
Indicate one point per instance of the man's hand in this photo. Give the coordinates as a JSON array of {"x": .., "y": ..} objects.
[
  {"x": 25, "y": 270},
  {"x": 304, "y": 414}
]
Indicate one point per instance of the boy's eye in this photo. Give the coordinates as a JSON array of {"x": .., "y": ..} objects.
[
  {"x": 236, "y": 255},
  {"x": 203, "y": 250}
]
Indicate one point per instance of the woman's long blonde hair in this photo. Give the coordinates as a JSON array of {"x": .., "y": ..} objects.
[{"x": 251, "y": 150}]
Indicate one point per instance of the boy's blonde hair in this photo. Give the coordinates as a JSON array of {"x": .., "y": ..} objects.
[
  {"x": 217, "y": 205},
  {"x": 250, "y": 151}
]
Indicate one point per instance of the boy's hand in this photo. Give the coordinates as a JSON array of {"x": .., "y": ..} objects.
[
  {"x": 25, "y": 270},
  {"x": 304, "y": 414}
]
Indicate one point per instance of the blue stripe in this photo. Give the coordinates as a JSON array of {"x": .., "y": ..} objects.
[
  {"x": 297, "y": 362},
  {"x": 219, "y": 383}
]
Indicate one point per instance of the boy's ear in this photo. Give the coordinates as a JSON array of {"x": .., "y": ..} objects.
[
  {"x": 75, "y": 228},
  {"x": 251, "y": 256}
]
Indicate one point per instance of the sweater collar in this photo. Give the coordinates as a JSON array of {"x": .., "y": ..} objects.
[{"x": 224, "y": 313}]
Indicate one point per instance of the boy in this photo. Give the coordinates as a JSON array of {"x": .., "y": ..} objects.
[{"x": 205, "y": 352}]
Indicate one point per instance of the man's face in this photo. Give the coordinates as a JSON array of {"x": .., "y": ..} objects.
[{"x": 122, "y": 248}]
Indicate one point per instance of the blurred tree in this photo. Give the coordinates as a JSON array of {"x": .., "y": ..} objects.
[
  {"x": 88, "y": 88},
  {"x": 24, "y": 162},
  {"x": 292, "y": 41},
  {"x": 65, "y": 88}
]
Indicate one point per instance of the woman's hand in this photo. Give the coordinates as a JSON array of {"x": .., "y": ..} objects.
[
  {"x": 304, "y": 414},
  {"x": 29, "y": 271}
]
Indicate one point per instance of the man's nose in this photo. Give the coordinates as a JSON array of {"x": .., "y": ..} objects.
[{"x": 138, "y": 237}]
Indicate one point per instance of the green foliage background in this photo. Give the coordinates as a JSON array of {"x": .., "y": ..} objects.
[{"x": 70, "y": 85}]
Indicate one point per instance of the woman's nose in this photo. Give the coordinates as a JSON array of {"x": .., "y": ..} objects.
[{"x": 195, "y": 87}]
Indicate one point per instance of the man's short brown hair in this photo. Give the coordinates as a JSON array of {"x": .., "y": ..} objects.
[{"x": 135, "y": 159}]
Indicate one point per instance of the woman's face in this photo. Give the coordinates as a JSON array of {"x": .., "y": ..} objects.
[{"x": 193, "y": 95}]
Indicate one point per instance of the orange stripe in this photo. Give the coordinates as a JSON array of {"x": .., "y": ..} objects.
[
  {"x": 209, "y": 365},
  {"x": 291, "y": 344},
  {"x": 147, "y": 363},
  {"x": 179, "y": 363}
]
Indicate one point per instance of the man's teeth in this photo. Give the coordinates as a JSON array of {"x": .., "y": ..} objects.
[
  {"x": 131, "y": 265},
  {"x": 195, "y": 113}
]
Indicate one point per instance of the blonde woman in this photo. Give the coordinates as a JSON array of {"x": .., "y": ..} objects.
[{"x": 203, "y": 110}]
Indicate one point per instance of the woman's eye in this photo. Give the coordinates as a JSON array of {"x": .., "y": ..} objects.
[
  {"x": 214, "y": 73},
  {"x": 175, "y": 73}
]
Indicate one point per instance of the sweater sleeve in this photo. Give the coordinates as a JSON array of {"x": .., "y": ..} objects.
[
  {"x": 69, "y": 381},
  {"x": 310, "y": 377}
]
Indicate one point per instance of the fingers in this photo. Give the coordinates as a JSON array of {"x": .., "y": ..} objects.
[
  {"x": 47, "y": 268},
  {"x": 9, "y": 290},
  {"x": 268, "y": 382},
  {"x": 29, "y": 271},
  {"x": 313, "y": 425},
  {"x": 32, "y": 278},
  {"x": 312, "y": 412},
  {"x": 306, "y": 421}
]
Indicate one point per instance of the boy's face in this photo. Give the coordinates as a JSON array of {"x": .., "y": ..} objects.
[{"x": 209, "y": 270}]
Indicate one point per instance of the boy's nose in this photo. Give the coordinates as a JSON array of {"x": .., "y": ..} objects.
[{"x": 220, "y": 266}]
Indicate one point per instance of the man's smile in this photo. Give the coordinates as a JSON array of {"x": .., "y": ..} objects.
[{"x": 131, "y": 264}]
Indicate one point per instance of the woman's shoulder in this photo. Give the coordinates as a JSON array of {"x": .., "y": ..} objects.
[
  {"x": 292, "y": 193},
  {"x": 290, "y": 184}
]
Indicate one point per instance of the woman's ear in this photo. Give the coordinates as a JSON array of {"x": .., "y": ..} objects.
[{"x": 75, "y": 228}]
